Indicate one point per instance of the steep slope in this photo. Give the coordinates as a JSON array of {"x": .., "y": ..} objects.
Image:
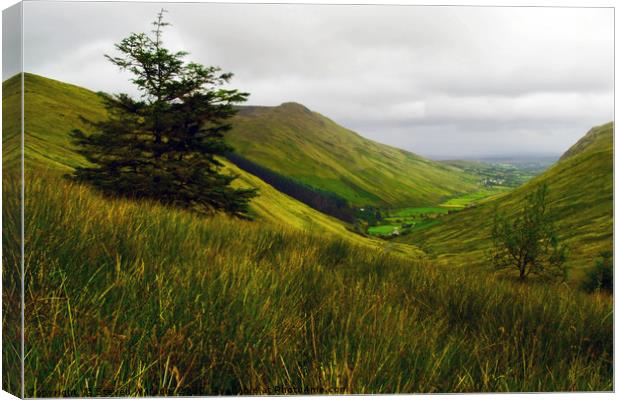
[
  {"x": 11, "y": 120},
  {"x": 276, "y": 208},
  {"x": 595, "y": 137},
  {"x": 54, "y": 108},
  {"x": 292, "y": 140},
  {"x": 581, "y": 201}
]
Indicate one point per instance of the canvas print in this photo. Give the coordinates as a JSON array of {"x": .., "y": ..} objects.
[{"x": 282, "y": 199}]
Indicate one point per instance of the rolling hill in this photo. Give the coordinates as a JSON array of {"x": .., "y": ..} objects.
[
  {"x": 581, "y": 201},
  {"x": 140, "y": 299},
  {"x": 288, "y": 139},
  {"x": 292, "y": 140},
  {"x": 53, "y": 109},
  {"x": 580, "y": 182}
]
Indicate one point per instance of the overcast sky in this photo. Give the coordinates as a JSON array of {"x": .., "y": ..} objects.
[{"x": 439, "y": 81}]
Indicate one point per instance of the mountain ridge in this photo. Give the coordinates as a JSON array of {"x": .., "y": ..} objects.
[
  {"x": 293, "y": 140},
  {"x": 289, "y": 139}
]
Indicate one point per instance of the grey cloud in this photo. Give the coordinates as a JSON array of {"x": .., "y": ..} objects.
[
  {"x": 434, "y": 80},
  {"x": 11, "y": 41}
]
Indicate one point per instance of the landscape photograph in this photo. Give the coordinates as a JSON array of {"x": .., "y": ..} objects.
[{"x": 206, "y": 199}]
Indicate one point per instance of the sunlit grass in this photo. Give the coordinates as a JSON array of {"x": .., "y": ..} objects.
[
  {"x": 139, "y": 299},
  {"x": 473, "y": 198},
  {"x": 383, "y": 229},
  {"x": 416, "y": 211}
]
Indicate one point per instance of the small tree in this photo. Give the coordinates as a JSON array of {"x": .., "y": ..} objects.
[
  {"x": 528, "y": 242},
  {"x": 601, "y": 277},
  {"x": 164, "y": 145}
]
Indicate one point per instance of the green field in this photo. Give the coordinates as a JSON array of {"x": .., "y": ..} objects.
[
  {"x": 409, "y": 219},
  {"x": 425, "y": 224},
  {"x": 383, "y": 229},
  {"x": 473, "y": 198},
  {"x": 416, "y": 211},
  {"x": 403, "y": 220}
]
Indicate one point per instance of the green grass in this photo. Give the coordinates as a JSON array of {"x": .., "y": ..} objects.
[
  {"x": 406, "y": 220},
  {"x": 416, "y": 211},
  {"x": 140, "y": 299},
  {"x": 294, "y": 141},
  {"x": 581, "y": 202},
  {"x": 425, "y": 224},
  {"x": 11, "y": 245},
  {"x": 473, "y": 198},
  {"x": 382, "y": 229},
  {"x": 52, "y": 109}
]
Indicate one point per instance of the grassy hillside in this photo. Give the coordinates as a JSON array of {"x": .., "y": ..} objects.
[
  {"x": 272, "y": 206},
  {"x": 596, "y": 137},
  {"x": 11, "y": 120},
  {"x": 581, "y": 201},
  {"x": 292, "y": 140},
  {"x": 133, "y": 298},
  {"x": 11, "y": 244},
  {"x": 288, "y": 139},
  {"x": 53, "y": 109}
]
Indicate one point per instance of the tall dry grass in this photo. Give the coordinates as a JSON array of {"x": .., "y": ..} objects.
[{"x": 128, "y": 298}]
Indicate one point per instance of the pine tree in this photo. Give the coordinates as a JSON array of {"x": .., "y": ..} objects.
[{"x": 164, "y": 144}]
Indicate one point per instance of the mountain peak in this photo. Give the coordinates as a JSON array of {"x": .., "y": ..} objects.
[{"x": 291, "y": 105}]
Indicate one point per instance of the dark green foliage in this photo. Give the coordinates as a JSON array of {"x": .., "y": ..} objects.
[
  {"x": 164, "y": 145},
  {"x": 369, "y": 214},
  {"x": 528, "y": 242},
  {"x": 601, "y": 277},
  {"x": 322, "y": 200}
]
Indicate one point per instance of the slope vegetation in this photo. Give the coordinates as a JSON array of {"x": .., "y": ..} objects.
[
  {"x": 294, "y": 141},
  {"x": 139, "y": 299},
  {"x": 581, "y": 201},
  {"x": 53, "y": 109},
  {"x": 134, "y": 298}
]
